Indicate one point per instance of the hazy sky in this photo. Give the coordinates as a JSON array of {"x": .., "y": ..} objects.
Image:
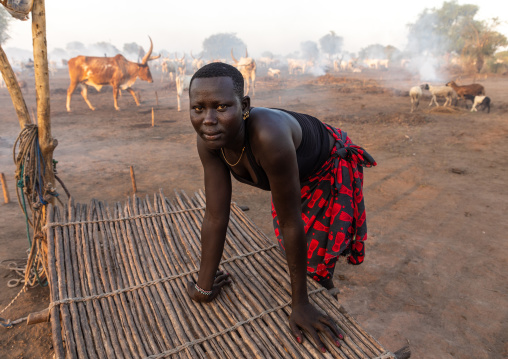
[{"x": 276, "y": 26}]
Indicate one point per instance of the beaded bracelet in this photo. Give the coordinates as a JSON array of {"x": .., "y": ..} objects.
[{"x": 202, "y": 291}]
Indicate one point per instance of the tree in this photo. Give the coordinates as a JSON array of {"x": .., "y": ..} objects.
[
  {"x": 375, "y": 51},
  {"x": 107, "y": 48},
  {"x": 392, "y": 53},
  {"x": 268, "y": 54},
  {"x": 437, "y": 31},
  {"x": 4, "y": 25},
  {"x": 131, "y": 48},
  {"x": 293, "y": 55},
  {"x": 452, "y": 28},
  {"x": 310, "y": 50},
  {"x": 75, "y": 46},
  {"x": 331, "y": 44},
  {"x": 481, "y": 41},
  {"x": 59, "y": 52},
  {"x": 219, "y": 46}
]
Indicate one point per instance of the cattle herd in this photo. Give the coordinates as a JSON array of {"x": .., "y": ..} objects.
[{"x": 121, "y": 74}]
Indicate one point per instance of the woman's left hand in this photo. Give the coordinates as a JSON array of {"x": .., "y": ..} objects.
[{"x": 221, "y": 279}]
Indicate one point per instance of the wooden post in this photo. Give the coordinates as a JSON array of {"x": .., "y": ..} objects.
[
  {"x": 133, "y": 179},
  {"x": 153, "y": 119},
  {"x": 46, "y": 142},
  {"x": 156, "y": 99},
  {"x": 13, "y": 86},
  {"x": 4, "y": 188}
]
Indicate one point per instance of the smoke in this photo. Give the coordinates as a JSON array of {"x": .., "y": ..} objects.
[
  {"x": 426, "y": 67},
  {"x": 317, "y": 70},
  {"x": 426, "y": 48}
]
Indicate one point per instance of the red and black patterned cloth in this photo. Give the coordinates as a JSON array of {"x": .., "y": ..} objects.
[{"x": 333, "y": 209}]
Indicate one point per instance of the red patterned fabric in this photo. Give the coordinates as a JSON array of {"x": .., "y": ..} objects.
[{"x": 333, "y": 209}]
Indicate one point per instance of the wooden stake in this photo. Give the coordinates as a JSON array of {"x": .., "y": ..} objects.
[
  {"x": 133, "y": 180},
  {"x": 153, "y": 118},
  {"x": 39, "y": 317},
  {"x": 4, "y": 188},
  {"x": 156, "y": 99}
]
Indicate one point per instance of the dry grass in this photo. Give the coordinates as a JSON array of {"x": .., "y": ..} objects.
[{"x": 445, "y": 110}]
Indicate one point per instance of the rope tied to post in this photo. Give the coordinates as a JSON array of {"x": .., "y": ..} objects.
[{"x": 33, "y": 195}]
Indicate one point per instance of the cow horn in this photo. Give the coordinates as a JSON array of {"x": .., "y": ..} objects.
[
  {"x": 246, "y": 53},
  {"x": 147, "y": 55},
  {"x": 192, "y": 55},
  {"x": 233, "y": 56}
]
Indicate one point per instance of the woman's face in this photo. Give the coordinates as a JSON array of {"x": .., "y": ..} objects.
[{"x": 216, "y": 111}]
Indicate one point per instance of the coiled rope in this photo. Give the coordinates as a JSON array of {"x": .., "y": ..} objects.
[{"x": 33, "y": 195}]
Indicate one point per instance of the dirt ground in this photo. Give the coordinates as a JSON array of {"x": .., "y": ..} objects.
[{"x": 435, "y": 273}]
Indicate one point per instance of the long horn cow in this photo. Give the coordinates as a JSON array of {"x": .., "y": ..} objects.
[
  {"x": 247, "y": 66},
  {"x": 182, "y": 80},
  {"x": 197, "y": 63},
  {"x": 114, "y": 71}
]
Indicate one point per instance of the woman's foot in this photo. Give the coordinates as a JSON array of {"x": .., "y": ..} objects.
[{"x": 328, "y": 284}]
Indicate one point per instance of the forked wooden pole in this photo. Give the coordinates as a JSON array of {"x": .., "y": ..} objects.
[
  {"x": 46, "y": 142},
  {"x": 13, "y": 86}
]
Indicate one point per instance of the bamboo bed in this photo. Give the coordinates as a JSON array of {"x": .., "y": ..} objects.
[{"x": 118, "y": 277}]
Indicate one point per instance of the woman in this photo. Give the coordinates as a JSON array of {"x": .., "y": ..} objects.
[{"x": 313, "y": 171}]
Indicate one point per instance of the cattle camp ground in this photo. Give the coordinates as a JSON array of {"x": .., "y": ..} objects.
[{"x": 433, "y": 278}]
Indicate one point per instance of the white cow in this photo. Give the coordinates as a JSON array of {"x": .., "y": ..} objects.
[
  {"x": 383, "y": 63},
  {"x": 275, "y": 73},
  {"x": 296, "y": 66},
  {"x": 376, "y": 63},
  {"x": 182, "y": 80},
  {"x": 336, "y": 65},
  {"x": 371, "y": 63},
  {"x": 247, "y": 66},
  {"x": 266, "y": 62},
  {"x": 182, "y": 83},
  {"x": 168, "y": 67}
]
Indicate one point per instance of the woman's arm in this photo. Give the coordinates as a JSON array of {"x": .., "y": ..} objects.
[
  {"x": 277, "y": 154},
  {"x": 213, "y": 230}
]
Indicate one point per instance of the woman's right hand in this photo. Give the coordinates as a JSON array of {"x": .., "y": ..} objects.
[
  {"x": 221, "y": 279},
  {"x": 307, "y": 317}
]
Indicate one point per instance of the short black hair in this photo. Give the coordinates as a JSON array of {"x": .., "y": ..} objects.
[{"x": 221, "y": 69}]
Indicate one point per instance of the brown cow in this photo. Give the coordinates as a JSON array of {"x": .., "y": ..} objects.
[{"x": 114, "y": 71}]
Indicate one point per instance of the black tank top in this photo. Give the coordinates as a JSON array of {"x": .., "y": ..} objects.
[{"x": 312, "y": 152}]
